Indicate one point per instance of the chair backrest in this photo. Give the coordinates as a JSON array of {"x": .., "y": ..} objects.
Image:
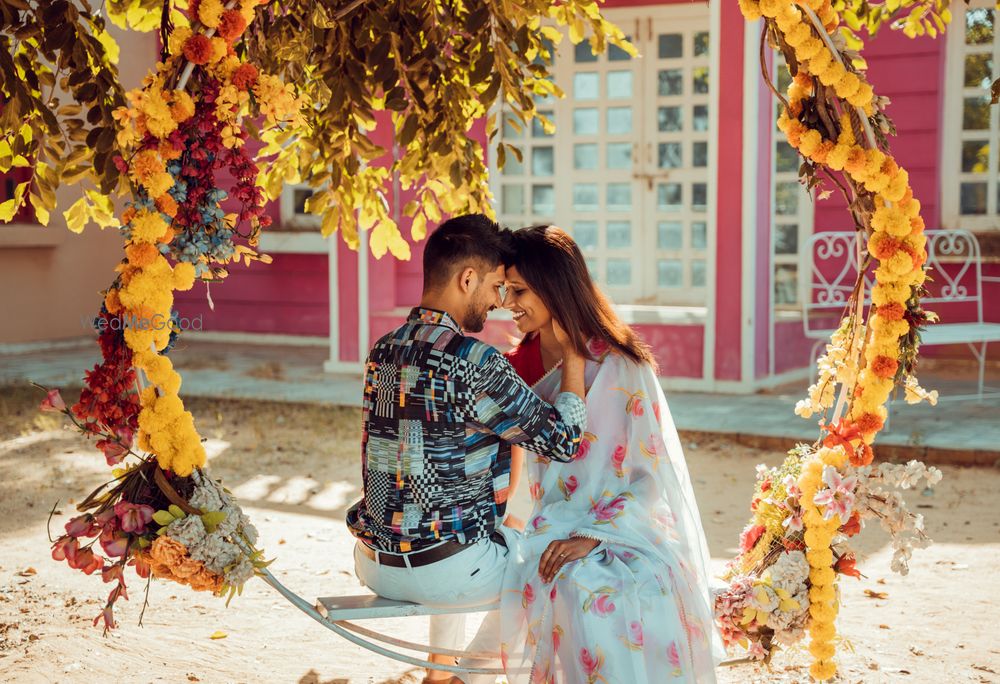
[
  {"x": 830, "y": 272},
  {"x": 955, "y": 270},
  {"x": 954, "y": 267}
]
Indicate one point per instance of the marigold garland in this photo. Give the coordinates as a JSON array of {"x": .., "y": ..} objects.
[{"x": 865, "y": 360}]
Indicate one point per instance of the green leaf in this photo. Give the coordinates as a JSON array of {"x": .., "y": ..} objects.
[
  {"x": 176, "y": 511},
  {"x": 163, "y": 518},
  {"x": 212, "y": 520}
]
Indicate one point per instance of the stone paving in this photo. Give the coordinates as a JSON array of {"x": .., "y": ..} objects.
[{"x": 959, "y": 431}]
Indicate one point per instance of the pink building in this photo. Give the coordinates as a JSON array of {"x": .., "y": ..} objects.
[{"x": 668, "y": 172}]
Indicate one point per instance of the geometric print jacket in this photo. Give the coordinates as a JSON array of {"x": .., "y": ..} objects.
[{"x": 440, "y": 412}]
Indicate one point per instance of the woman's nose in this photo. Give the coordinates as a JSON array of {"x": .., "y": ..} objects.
[{"x": 506, "y": 298}]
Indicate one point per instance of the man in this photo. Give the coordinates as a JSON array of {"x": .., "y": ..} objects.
[{"x": 440, "y": 412}]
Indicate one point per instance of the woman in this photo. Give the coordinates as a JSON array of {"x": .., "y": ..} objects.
[{"x": 610, "y": 581}]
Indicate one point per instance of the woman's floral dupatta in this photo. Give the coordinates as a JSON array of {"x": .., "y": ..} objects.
[{"x": 637, "y": 609}]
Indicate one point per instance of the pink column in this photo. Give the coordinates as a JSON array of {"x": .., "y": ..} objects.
[{"x": 726, "y": 309}]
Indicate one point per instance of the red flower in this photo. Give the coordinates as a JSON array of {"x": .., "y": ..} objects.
[
  {"x": 65, "y": 548},
  {"x": 52, "y": 402},
  {"x": 749, "y": 536},
  {"x": 114, "y": 543},
  {"x": 198, "y": 49},
  {"x": 141, "y": 566},
  {"x": 852, "y": 526},
  {"x": 231, "y": 25},
  {"x": 765, "y": 485},
  {"x": 845, "y": 566},
  {"x": 108, "y": 615},
  {"x": 527, "y": 596},
  {"x": 86, "y": 560},
  {"x": 110, "y": 573},
  {"x": 245, "y": 76}
]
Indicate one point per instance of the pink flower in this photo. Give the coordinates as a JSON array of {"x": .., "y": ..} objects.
[
  {"x": 536, "y": 491},
  {"x": 598, "y": 347},
  {"x": 52, "y": 402},
  {"x": 527, "y": 596},
  {"x": 114, "y": 543},
  {"x": 673, "y": 655},
  {"x": 65, "y": 548},
  {"x": 538, "y": 522},
  {"x": 606, "y": 511},
  {"x": 114, "y": 453},
  {"x": 635, "y": 633},
  {"x": 603, "y": 606},
  {"x": 82, "y": 526},
  {"x": 556, "y": 637},
  {"x": 617, "y": 459},
  {"x": 568, "y": 486},
  {"x": 108, "y": 615},
  {"x": 552, "y": 593},
  {"x": 749, "y": 536},
  {"x": 583, "y": 449},
  {"x": 86, "y": 560},
  {"x": 591, "y": 662},
  {"x": 110, "y": 573},
  {"x": 838, "y": 496},
  {"x": 134, "y": 517},
  {"x": 656, "y": 413},
  {"x": 756, "y": 651}
]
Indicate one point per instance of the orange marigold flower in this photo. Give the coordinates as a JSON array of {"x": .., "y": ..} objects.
[
  {"x": 245, "y": 76},
  {"x": 128, "y": 215},
  {"x": 869, "y": 422},
  {"x": 141, "y": 253},
  {"x": 198, "y": 49},
  {"x": 231, "y": 25},
  {"x": 111, "y": 301},
  {"x": 884, "y": 366},
  {"x": 883, "y": 246},
  {"x": 893, "y": 311},
  {"x": 167, "y": 551},
  {"x": 167, "y": 204},
  {"x": 167, "y": 236},
  {"x": 856, "y": 160}
]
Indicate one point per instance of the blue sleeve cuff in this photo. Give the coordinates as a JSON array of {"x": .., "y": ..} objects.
[{"x": 572, "y": 409}]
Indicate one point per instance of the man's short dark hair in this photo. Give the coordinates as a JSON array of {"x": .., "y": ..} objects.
[{"x": 470, "y": 240}]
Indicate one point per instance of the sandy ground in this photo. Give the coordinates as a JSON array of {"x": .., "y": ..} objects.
[{"x": 295, "y": 469}]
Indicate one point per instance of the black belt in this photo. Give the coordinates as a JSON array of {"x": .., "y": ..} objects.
[{"x": 416, "y": 559}]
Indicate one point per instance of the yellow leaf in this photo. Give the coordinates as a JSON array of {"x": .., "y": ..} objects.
[
  {"x": 7, "y": 210},
  {"x": 418, "y": 229},
  {"x": 41, "y": 213},
  {"x": 76, "y": 216},
  {"x": 218, "y": 634},
  {"x": 110, "y": 45},
  {"x": 26, "y": 133}
]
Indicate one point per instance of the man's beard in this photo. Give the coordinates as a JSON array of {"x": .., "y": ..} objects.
[{"x": 475, "y": 317}]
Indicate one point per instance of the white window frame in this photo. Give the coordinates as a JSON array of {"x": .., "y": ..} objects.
[
  {"x": 292, "y": 220},
  {"x": 953, "y": 135}
]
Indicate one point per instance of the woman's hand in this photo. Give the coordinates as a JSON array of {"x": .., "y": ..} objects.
[{"x": 563, "y": 551}]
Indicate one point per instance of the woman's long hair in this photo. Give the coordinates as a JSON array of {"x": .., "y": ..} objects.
[{"x": 553, "y": 266}]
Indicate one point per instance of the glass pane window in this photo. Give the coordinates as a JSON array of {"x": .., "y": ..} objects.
[
  {"x": 698, "y": 273},
  {"x": 543, "y": 200},
  {"x": 786, "y": 238},
  {"x": 669, "y": 119},
  {"x": 669, "y": 155},
  {"x": 619, "y": 234},
  {"x": 669, "y": 197},
  {"x": 585, "y": 156},
  {"x": 619, "y": 120},
  {"x": 699, "y": 234},
  {"x": 586, "y": 85},
  {"x": 538, "y": 128},
  {"x": 619, "y": 272},
  {"x": 543, "y": 161},
  {"x": 585, "y": 234},
  {"x": 699, "y": 121},
  {"x": 786, "y": 198},
  {"x": 586, "y": 120},
  {"x": 585, "y": 197},
  {"x": 670, "y": 273},
  {"x": 699, "y": 154},
  {"x": 670, "y": 235},
  {"x": 582, "y": 53},
  {"x": 786, "y": 283},
  {"x": 699, "y": 196},
  {"x": 701, "y": 43},
  {"x": 619, "y": 85},
  {"x": 670, "y": 82},
  {"x": 619, "y": 156},
  {"x": 512, "y": 199},
  {"x": 700, "y": 79},
  {"x": 619, "y": 196},
  {"x": 671, "y": 45}
]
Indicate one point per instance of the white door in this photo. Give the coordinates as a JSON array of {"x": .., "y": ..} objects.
[{"x": 626, "y": 170}]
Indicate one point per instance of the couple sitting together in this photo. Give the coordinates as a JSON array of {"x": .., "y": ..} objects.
[{"x": 608, "y": 580}]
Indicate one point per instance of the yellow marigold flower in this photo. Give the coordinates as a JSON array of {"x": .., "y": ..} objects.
[
  {"x": 158, "y": 184},
  {"x": 822, "y": 670},
  {"x": 175, "y": 43},
  {"x": 897, "y": 186},
  {"x": 182, "y": 108},
  {"x": 834, "y": 73},
  {"x": 838, "y": 157},
  {"x": 183, "y": 276},
  {"x": 810, "y": 142},
  {"x": 822, "y": 594},
  {"x": 798, "y": 35},
  {"x": 770, "y": 8},
  {"x": 819, "y": 557},
  {"x": 210, "y": 11},
  {"x": 847, "y": 86},
  {"x": 821, "y": 649},
  {"x": 148, "y": 226},
  {"x": 823, "y": 631},
  {"x": 750, "y": 9},
  {"x": 822, "y": 576},
  {"x": 863, "y": 97}
]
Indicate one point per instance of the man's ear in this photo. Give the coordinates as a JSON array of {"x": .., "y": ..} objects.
[{"x": 468, "y": 279}]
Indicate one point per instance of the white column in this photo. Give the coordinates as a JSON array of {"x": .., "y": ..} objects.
[{"x": 751, "y": 157}]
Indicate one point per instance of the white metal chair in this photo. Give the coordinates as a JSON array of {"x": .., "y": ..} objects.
[{"x": 955, "y": 291}]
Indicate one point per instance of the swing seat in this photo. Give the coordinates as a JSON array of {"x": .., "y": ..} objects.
[{"x": 370, "y": 606}]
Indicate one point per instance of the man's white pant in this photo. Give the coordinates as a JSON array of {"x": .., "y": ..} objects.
[{"x": 471, "y": 577}]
